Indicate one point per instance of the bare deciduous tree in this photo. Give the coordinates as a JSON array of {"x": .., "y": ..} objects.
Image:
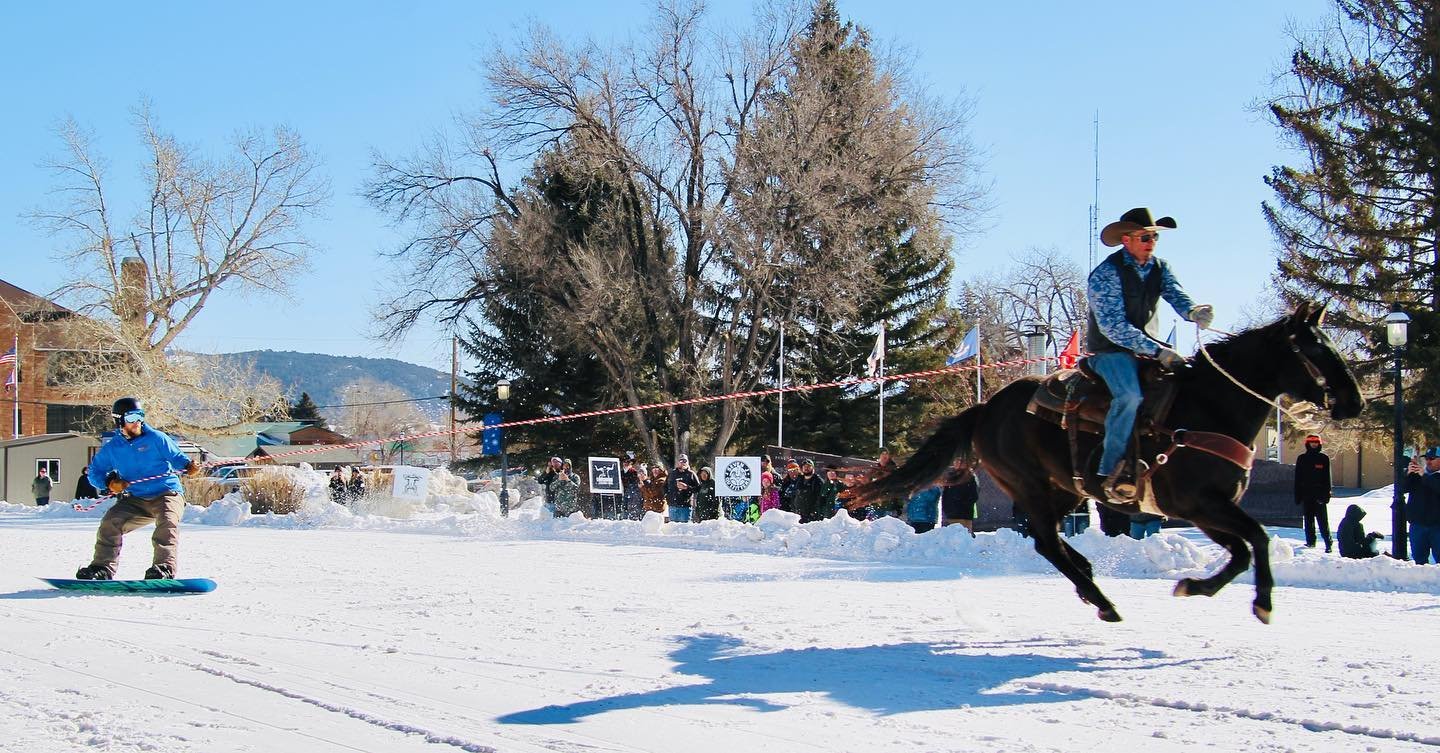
[{"x": 140, "y": 278}]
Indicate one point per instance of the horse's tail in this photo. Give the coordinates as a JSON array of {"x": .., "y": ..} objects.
[{"x": 951, "y": 439}]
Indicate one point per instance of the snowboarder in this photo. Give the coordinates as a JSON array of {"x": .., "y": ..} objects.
[{"x": 138, "y": 466}]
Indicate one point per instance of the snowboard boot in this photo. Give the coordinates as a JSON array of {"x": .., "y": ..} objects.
[
  {"x": 161, "y": 571},
  {"x": 93, "y": 572}
]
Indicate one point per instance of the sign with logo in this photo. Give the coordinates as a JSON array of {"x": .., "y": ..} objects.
[
  {"x": 737, "y": 476},
  {"x": 605, "y": 476},
  {"x": 410, "y": 483}
]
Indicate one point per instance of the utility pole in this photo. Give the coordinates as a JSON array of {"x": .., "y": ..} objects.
[{"x": 454, "y": 369}]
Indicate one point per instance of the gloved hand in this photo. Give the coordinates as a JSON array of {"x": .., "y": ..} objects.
[
  {"x": 115, "y": 484},
  {"x": 1203, "y": 315},
  {"x": 1169, "y": 358}
]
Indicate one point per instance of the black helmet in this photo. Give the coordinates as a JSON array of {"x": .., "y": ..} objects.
[{"x": 125, "y": 405}]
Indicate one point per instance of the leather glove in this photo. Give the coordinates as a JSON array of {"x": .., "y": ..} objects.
[
  {"x": 1169, "y": 358},
  {"x": 1203, "y": 315}
]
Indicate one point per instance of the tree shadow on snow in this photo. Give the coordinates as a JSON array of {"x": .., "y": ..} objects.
[{"x": 888, "y": 679}]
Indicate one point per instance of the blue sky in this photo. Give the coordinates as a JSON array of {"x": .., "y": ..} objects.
[{"x": 1174, "y": 85}]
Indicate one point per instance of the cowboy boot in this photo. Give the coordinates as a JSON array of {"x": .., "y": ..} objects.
[{"x": 1120, "y": 486}]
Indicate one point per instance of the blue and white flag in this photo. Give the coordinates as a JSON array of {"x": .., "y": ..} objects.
[{"x": 969, "y": 348}]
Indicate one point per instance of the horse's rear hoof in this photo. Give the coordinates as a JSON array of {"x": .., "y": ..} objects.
[
  {"x": 1261, "y": 613},
  {"x": 1109, "y": 615}
]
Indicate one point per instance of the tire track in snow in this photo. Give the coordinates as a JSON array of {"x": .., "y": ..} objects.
[{"x": 1314, "y": 725}]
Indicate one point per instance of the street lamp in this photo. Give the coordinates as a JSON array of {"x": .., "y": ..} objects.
[
  {"x": 1397, "y": 330},
  {"x": 502, "y": 392}
]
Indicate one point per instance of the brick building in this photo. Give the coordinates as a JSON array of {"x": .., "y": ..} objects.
[{"x": 40, "y": 329}]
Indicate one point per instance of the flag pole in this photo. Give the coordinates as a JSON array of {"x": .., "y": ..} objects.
[
  {"x": 882, "y": 383},
  {"x": 977, "y": 363},
  {"x": 15, "y": 396},
  {"x": 780, "y": 429}
]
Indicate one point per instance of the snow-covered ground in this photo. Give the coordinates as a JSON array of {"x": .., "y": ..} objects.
[{"x": 447, "y": 628}]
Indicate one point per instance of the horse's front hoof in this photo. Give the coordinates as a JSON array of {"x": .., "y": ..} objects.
[
  {"x": 1109, "y": 615},
  {"x": 1261, "y": 613}
]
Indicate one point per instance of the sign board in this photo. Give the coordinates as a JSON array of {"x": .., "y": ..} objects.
[
  {"x": 410, "y": 483},
  {"x": 737, "y": 476},
  {"x": 605, "y": 476}
]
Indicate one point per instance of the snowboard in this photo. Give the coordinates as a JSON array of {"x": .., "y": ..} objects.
[{"x": 153, "y": 586}]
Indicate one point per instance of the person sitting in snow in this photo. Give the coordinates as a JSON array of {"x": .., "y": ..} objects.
[{"x": 1354, "y": 542}]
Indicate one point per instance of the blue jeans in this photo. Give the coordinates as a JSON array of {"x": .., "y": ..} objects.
[
  {"x": 1139, "y": 529},
  {"x": 679, "y": 515},
  {"x": 1121, "y": 373},
  {"x": 1425, "y": 544}
]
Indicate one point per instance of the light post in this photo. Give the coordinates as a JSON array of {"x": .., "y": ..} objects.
[
  {"x": 1397, "y": 325},
  {"x": 502, "y": 393}
]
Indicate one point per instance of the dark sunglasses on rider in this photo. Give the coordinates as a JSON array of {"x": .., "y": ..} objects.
[{"x": 133, "y": 416}]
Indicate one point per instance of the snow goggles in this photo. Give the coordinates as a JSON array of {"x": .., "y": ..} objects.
[{"x": 131, "y": 416}]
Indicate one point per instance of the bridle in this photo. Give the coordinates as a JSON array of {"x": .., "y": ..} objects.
[{"x": 1305, "y": 361}]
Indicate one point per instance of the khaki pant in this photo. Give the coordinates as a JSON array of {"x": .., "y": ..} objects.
[{"x": 132, "y": 512}]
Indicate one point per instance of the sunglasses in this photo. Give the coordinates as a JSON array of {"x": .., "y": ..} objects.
[
  {"x": 1148, "y": 237},
  {"x": 133, "y": 416}
]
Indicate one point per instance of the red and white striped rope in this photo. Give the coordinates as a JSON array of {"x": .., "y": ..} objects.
[{"x": 911, "y": 377}]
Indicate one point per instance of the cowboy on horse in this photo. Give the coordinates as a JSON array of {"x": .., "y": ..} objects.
[{"x": 1124, "y": 292}]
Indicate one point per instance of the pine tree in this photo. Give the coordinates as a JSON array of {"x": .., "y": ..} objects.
[
  {"x": 833, "y": 77},
  {"x": 306, "y": 410},
  {"x": 1359, "y": 220},
  {"x": 549, "y": 374}
]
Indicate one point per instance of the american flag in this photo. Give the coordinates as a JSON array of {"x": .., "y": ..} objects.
[{"x": 9, "y": 356}]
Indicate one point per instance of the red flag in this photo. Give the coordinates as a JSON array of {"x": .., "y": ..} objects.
[{"x": 1071, "y": 354}]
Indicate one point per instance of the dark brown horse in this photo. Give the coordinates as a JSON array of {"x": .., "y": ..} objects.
[{"x": 1030, "y": 458}]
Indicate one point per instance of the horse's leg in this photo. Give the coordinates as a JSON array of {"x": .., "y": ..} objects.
[
  {"x": 1230, "y": 519},
  {"x": 1045, "y": 529},
  {"x": 1239, "y": 563}
]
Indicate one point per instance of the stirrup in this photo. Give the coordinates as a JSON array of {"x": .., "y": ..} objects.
[{"x": 1121, "y": 486}]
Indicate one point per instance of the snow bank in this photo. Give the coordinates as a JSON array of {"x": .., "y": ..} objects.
[{"x": 450, "y": 509}]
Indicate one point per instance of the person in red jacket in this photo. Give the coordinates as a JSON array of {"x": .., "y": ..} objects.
[{"x": 1312, "y": 490}]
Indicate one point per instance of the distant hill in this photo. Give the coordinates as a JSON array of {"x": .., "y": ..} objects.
[{"x": 323, "y": 376}]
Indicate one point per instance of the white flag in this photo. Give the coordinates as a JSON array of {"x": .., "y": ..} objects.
[{"x": 877, "y": 354}]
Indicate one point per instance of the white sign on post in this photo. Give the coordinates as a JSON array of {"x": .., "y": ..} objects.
[
  {"x": 737, "y": 476},
  {"x": 605, "y": 476},
  {"x": 410, "y": 483}
]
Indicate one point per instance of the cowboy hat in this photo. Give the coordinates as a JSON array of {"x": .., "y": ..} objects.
[{"x": 1133, "y": 220}]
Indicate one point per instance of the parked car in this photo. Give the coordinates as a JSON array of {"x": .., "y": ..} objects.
[{"x": 230, "y": 477}]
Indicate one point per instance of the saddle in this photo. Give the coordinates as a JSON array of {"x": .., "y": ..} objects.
[{"x": 1077, "y": 400}]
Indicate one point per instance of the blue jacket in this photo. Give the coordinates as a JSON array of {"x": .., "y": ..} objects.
[
  {"x": 153, "y": 453},
  {"x": 924, "y": 506}
]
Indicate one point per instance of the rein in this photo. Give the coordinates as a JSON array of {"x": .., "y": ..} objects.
[{"x": 1275, "y": 403}]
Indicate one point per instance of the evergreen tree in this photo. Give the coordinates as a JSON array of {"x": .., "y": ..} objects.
[
  {"x": 521, "y": 340},
  {"x": 833, "y": 78},
  {"x": 306, "y": 410},
  {"x": 1358, "y": 220}
]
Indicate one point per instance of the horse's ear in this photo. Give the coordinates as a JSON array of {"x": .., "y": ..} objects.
[{"x": 1302, "y": 313}]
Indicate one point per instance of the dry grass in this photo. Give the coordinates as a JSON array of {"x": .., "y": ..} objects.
[
  {"x": 201, "y": 491},
  {"x": 273, "y": 491}
]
